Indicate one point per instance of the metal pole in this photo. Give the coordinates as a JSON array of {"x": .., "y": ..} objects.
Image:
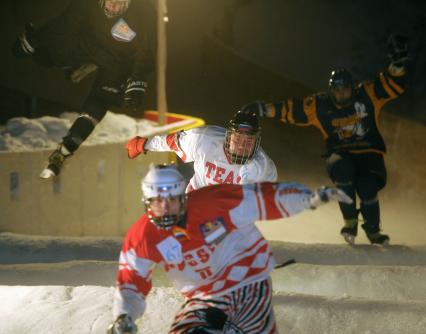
[{"x": 162, "y": 19}]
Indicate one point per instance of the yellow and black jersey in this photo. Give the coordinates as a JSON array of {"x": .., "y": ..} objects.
[{"x": 353, "y": 129}]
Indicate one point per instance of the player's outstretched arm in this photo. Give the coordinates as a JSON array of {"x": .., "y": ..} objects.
[{"x": 267, "y": 201}]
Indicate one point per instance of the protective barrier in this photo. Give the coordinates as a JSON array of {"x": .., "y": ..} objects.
[{"x": 97, "y": 193}]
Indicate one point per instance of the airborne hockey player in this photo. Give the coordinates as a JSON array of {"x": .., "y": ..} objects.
[{"x": 114, "y": 37}]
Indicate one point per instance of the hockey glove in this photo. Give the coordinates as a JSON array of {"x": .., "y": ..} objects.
[
  {"x": 257, "y": 107},
  {"x": 26, "y": 43},
  {"x": 398, "y": 50},
  {"x": 325, "y": 194},
  {"x": 133, "y": 94},
  {"x": 122, "y": 325},
  {"x": 136, "y": 146}
]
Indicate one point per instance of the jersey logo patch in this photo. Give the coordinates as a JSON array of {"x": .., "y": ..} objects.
[
  {"x": 171, "y": 250},
  {"x": 352, "y": 126},
  {"x": 122, "y": 32},
  {"x": 180, "y": 233},
  {"x": 213, "y": 231}
]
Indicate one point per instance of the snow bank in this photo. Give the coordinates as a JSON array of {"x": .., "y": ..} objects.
[
  {"x": 87, "y": 309},
  {"x": 386, "y": 283},
  {"x": 18, "y": 248},
  {"x": 392, "y": 283},
  {"x": 348, "y": 290},
  {"x": 23, "y": 134},
  {"x": 300, "y": 314}
]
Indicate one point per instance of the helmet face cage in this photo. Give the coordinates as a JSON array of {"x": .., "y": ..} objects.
[
  {"x": 246, "y": 151},
  {"x": 341, "y": 78},
  {"x": 164, "y": 181},
  {"x": 165, "y": 222},
  {"x": 124, "y": 5}
]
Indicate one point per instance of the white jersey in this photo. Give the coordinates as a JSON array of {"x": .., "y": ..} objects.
[
  {"x": 205, "y": 147},
  {"x": 219, "y": 249}
]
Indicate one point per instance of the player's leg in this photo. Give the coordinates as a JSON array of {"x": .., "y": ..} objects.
[
  {"x": 341, "y": 170},
  {"x": 252, "y": 310},
  {"x": 201, "y": 316},
  {"x": 106, "y": 92},
  {"x": 371, "y": 178}
]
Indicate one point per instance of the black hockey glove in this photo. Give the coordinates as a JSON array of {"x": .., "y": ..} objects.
[
  {"x": 257, "y": 107},
  {"x": 122, "y": 325},
  {"x": 398, "y": 50},
  {"x": 26, "y": 43},
  {"x": 133, "y": 94}
]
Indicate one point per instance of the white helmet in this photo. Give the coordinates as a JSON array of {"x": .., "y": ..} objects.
[{"x": 164, "y": 181}]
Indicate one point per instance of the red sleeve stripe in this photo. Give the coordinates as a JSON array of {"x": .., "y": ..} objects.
[
  {"x": 173, "y": 142},
  {"x": 260, "y": 203},
  {"x": 282, "y": 209},
  {"x": 274, "y": 209},
  {"x": 129, "y": 277}
]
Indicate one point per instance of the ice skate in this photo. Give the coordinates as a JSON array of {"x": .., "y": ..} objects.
[
  {"x": 378, "y": 238},
  {"x": 350, "y": 230},
  {"x": 56, "y": 160}
]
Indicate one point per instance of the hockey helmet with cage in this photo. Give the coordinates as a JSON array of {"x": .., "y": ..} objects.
[
  {"x": 242, "y": 137},
  {"x": 114, "y": 8},
  {"x": 341, "y": 79},
  {"x": 164, "y": 183}
]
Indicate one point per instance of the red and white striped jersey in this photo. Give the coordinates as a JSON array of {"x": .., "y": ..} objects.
[
  {"x": 205, "y": 147},
  {"x": 220, "y": 248}
]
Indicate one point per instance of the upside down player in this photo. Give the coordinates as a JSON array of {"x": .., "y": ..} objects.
[{"x": 115, "y": 38}]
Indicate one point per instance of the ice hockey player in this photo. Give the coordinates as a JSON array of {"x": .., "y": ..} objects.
[
  {"x": 347, "y": 116},
  {"x": 220, "y": 155},
  {"x": 116, "y": 37},
  {"x": 207, "y": 243}
]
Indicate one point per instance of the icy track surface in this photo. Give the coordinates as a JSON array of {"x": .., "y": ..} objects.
[{"x": 64, "y": 285}]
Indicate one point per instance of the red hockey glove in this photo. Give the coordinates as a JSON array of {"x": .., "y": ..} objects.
[{"x": 136, "y": 146}]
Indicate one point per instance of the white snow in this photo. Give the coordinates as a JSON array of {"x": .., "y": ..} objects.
[
  {"x": 65, "y": 285},
  {"x": 23, "y": 134}
]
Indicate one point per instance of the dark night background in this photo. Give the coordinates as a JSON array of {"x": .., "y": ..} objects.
[{"x": 225, "y": 53}]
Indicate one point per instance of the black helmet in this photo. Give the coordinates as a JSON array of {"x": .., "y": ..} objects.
[
  {"x": 245, "y": 123},
  {"x": 341, "y": 78}
]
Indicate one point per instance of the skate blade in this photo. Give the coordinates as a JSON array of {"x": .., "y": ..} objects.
[
  {"x": 349, "y": 238},
  {"x": 383, "y": 244},
  {"x": 47, "y": 174}
]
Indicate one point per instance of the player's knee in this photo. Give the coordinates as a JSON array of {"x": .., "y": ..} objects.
[
  {"x": 367, "y": 189},
  {"x": 369, "y": 201}
]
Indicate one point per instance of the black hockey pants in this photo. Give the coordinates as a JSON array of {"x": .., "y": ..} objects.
[{"x": 363, "y": 174}]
